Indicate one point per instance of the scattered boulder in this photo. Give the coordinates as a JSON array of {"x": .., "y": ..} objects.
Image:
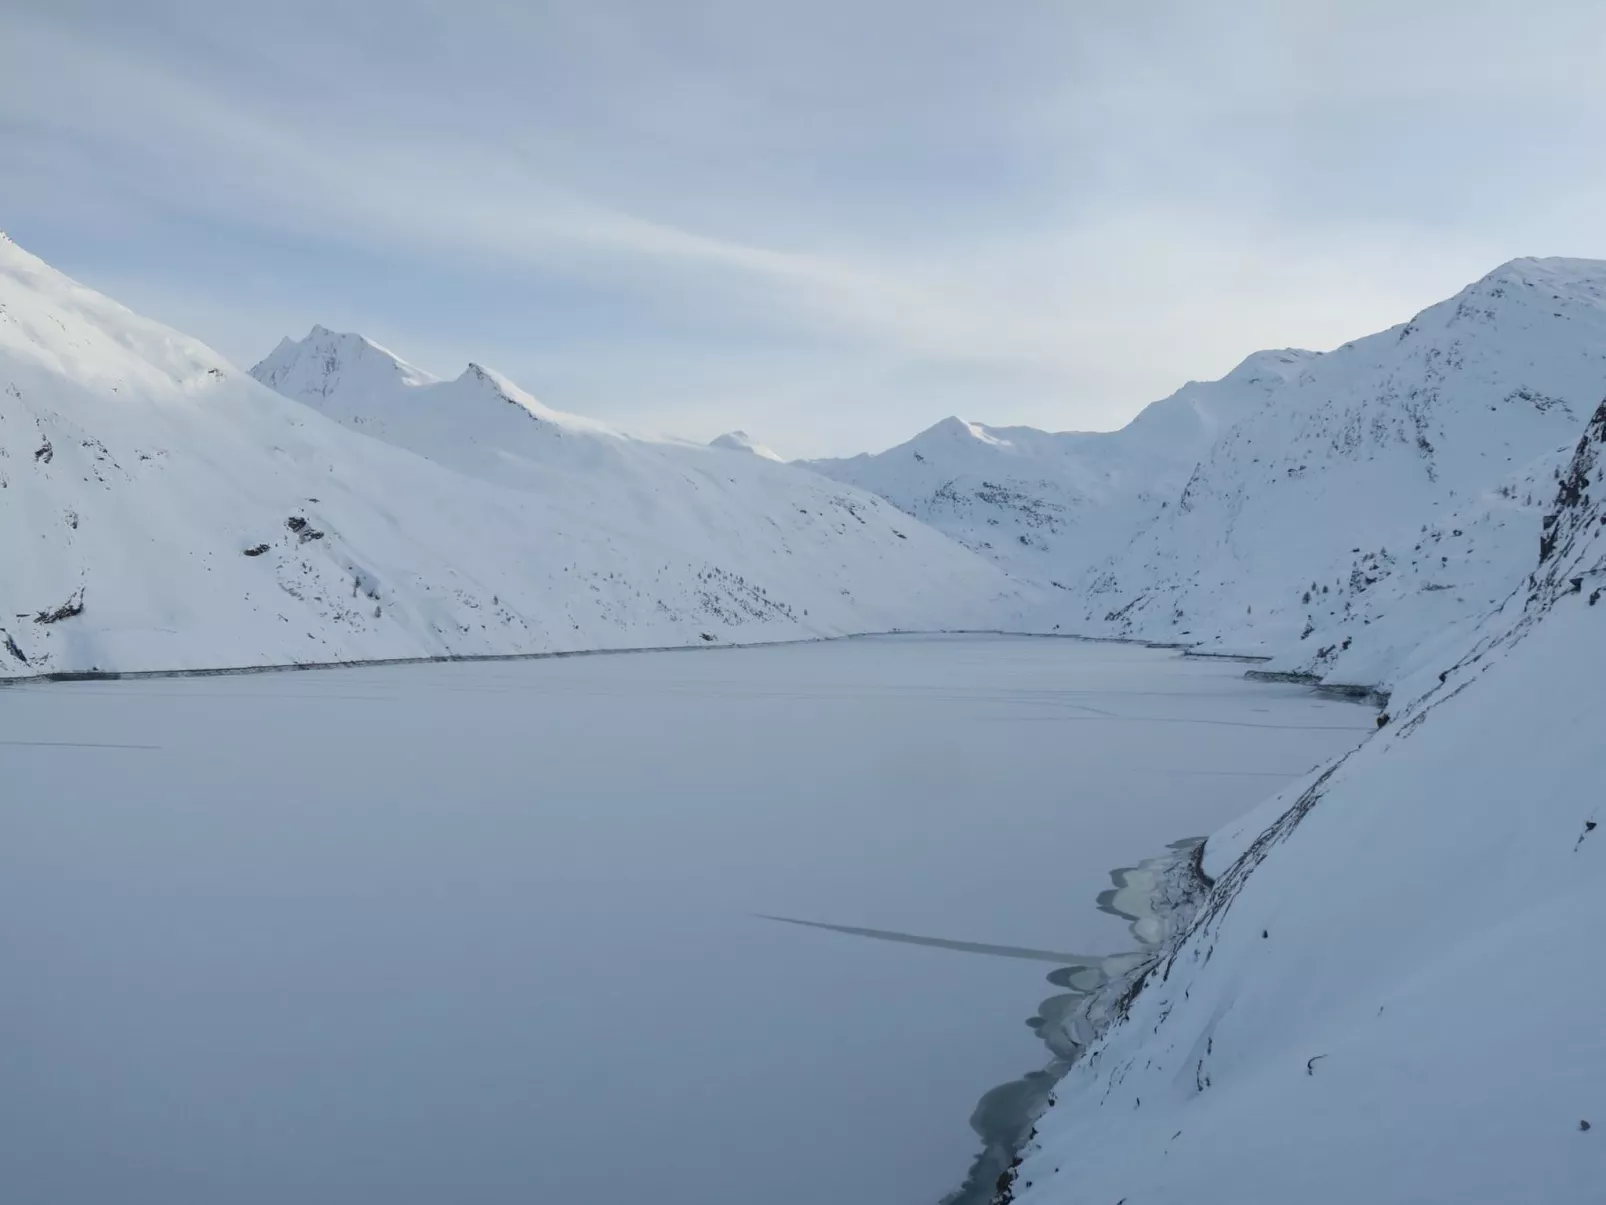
[{"x": 302, "y": 530}]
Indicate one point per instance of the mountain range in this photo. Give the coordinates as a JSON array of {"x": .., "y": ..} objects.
[
  {"x": 1382, "y": 988},
  {"x": 1342, "y": 514},
  {"x": 1339, "y": 513},
  {"x": 163, "y": 510}
]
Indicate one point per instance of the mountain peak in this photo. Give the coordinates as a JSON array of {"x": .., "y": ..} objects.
[
  {"x": 1271, "y": 366},
  {"x": 1536, "y": 268},
  {"x": 488, "y": 380},
  {"x": 1547, "y": 279},
  {"x": 954, "y": 427},
  {"x": 325, "y": 360},
  {"x": 1537, "y": 288},
  {"x": 741, "y": 441},
  {"x": 478, "y": 379},
  {"x": 487, "y": 376}
]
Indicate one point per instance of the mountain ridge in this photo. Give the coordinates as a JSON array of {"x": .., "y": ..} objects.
[
  {"x": 164, "y": 510},
  {"x": 1338, "y": 512},
  {"x": 1047, "y": 506}
]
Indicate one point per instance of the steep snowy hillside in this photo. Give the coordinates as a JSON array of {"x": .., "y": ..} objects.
[
  {"x": 1390, "y": 483},
  {"x": 741, "y": 441},
  {"x": 1045, "y": 506},
  {"x": 1385, "y": 616},
  {"x": 159, "y": 509},
  {"x": 1391, "y": 992}
]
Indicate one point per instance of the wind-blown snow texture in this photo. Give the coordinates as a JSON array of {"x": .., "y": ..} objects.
[
  {"x": 1385, "y": 997},
  {"x": 160, "y": 509}
]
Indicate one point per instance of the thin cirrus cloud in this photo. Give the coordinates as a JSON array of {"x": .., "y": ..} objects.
[{"x": 830, "y": 224}]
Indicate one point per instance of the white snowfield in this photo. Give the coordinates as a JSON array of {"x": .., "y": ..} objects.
[
  {"x": 1394, "y": 992},
  {"x": 160, "y": 509}
]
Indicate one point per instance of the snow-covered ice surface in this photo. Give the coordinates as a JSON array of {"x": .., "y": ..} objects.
[
  {"x": 160, "y": 509},
  {"x": 489, "y": 933}
]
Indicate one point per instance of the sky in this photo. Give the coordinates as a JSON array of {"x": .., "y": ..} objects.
[{"x": 830, "y": 223}]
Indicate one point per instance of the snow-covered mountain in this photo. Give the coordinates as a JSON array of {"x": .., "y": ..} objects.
[
  {"x": 1346, "y": 514},
  {"x": 1046, "y": 506},
  {"x": 1386, "y": 994},
  {"x": 741, "y": 441},
  {"x": 160, "y": 509},
  {"x": 1393, "y": 484}
]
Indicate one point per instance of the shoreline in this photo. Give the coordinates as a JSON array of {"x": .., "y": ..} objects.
[
  {"x": 1158, "y": 898},
  {"x": 285, "y": 667}
]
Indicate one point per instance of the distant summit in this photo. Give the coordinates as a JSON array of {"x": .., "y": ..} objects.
[
  {"x": 327, "y": 360},
  {"x": 741, "y": 441},
  {"x": 166, "y": 511}
]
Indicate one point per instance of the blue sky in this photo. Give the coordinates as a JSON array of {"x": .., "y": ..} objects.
[{"x": 829, "y": 223}]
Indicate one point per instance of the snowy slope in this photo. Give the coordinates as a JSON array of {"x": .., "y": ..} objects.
[
  {"x": 1392, "y": 993},
  {"x": 741, "y": 441},
  {"x": 1384, "y": 494},
  {"x": 1044, "y": 505},
  {"x": 160, "y": 509}
]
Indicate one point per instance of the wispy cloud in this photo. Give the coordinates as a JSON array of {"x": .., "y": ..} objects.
[{"x": 831, "y": 223}]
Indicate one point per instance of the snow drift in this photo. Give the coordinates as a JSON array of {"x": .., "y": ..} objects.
[{"x": 160, "y": 510}]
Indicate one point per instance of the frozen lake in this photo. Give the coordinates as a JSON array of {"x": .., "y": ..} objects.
[{"x": 491, "y": 932}]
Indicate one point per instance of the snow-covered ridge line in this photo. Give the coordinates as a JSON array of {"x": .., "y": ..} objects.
[
  {"x": 165, "y": 511},
  {"x": 1047, "y": 506}
]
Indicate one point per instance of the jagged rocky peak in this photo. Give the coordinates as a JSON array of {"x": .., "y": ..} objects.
[{"x": 741, "y": 441}]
